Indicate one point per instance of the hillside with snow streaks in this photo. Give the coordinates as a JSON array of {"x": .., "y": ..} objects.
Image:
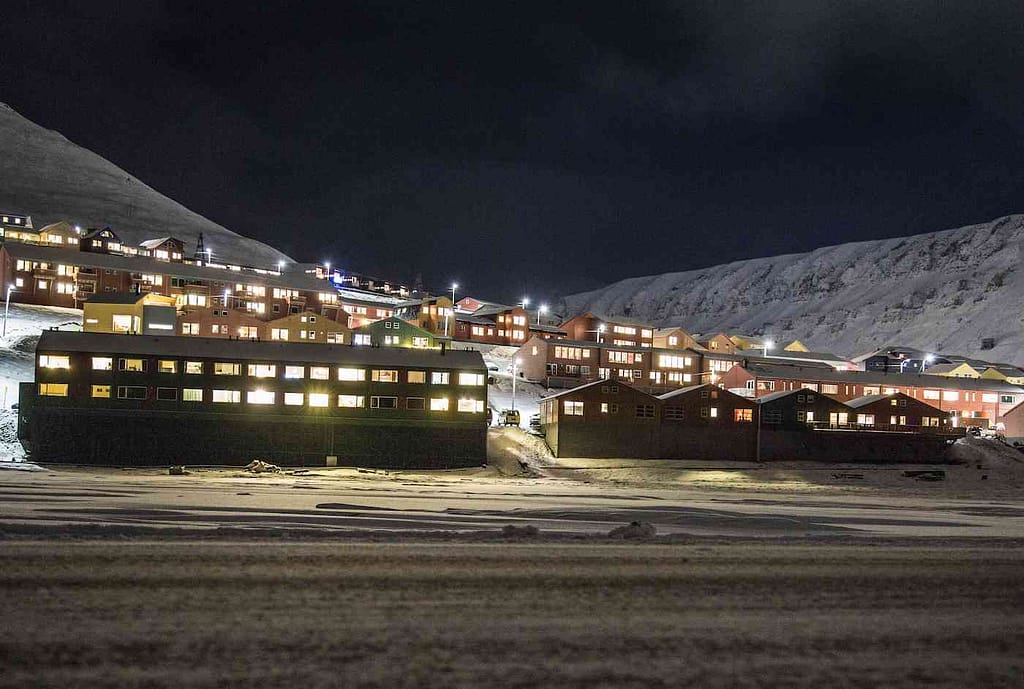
[
  {"x": 50, "y": 178},
  {"x": 940, "y": 291}
]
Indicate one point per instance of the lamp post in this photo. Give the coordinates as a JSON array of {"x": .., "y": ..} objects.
[
  {"x": 209, "y": 256},
  {"x": 280, "y": 267},
  {"x": 600, "y": 332},
  {"x": 541, "y": 309},
  {"x": 450, "y": 311},
  {"x": 7, "y": 307},
  {"x": 226, "y": 293},
  {"x": 515, "y": 367},
  {"x": 767, "y": 344}
]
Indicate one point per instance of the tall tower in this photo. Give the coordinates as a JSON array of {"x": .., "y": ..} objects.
[{"x": 200, "y": 254}]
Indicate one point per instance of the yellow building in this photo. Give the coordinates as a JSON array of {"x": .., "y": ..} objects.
[
  {"x": 1011, "y": 374},
  {"x": 955, "y": 370},
  {"x": 309, "y": 327},
  {"x": 129, "y": 314}
]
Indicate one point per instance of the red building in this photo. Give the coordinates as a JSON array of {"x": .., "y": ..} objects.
[
  {"x": 623, "y": 332},
  {"x": 970, "y": 401}
]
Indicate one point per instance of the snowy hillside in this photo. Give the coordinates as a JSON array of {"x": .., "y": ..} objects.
[
  {"x": 941, "y": 291},
  {"x": 48, "y": 177}
]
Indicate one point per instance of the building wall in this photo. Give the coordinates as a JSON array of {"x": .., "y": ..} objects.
[
  {"x": 914, "y": 410},
  {"x": 853, "y": 446},
  {"x": 157, "y": 430}
]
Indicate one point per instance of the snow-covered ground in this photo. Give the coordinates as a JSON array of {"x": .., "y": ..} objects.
[
  {"x": 17, "y": 362},
  {"x": 941, "y": 292},
  {"x": 499, "y": 394},
  {"x": 50, "y": 178}
]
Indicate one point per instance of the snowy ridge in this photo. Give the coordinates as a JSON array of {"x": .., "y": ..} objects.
[
  {"x": 50, "y": 178},
  {"x": 940, "y": 291}
]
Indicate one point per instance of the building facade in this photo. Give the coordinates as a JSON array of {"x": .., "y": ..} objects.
[{"x": 109, "y": 399}]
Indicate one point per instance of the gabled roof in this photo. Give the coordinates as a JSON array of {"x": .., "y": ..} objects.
[
  {"x": 693, "y": 388},
  {"x": 611, "y": 319},
  {"x": 153, "y": 243},
  {"x": 119, "y": 297},
  {"x": 544, "y": 328},
  {"x": 792, "y": 356},
  {"x": 812, "y": 374},
  {"x": 259, "y": 350},
  {"x": 939, "y": 369},
  {"x": 603, "y": 381},
  {"x": 463, "y": 317},
  {"x": 864, "y": 401}
]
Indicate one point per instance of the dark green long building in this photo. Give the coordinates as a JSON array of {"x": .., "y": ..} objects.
[{"x": 136, "y": 400}]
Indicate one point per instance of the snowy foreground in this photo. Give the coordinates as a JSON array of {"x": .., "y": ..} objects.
[{"x": 503, "y": 615}]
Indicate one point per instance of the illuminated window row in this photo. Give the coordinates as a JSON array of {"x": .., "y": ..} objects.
[
  {"x": 267, "y": 397},
  {"x": 225, "y": 368}
]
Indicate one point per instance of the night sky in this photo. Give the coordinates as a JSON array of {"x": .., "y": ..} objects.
[{"x": 547, "y": 147}]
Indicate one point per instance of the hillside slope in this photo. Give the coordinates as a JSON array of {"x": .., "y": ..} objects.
[
  {"x": 48, "y": 177},
  {"x": 940, "y": 291}
]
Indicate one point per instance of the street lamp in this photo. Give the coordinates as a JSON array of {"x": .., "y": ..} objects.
[
  {"x": 7, "y": 307},
  {"x": 515, "y": 367},
  {"x": 541, "y": 309},
  {"x": 226, "y": 293},
  {"x": 768, "y": 344},
  {"x": 280, "y": 267},
  {"x": 525, "y": 302},
  {"x": 600, "y": 332},
  {"x": 209, "y": 256}
]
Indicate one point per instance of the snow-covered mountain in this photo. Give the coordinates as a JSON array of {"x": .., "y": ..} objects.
[
  {"x": 941, "y": 291},
  {"x": 46, "y": 176}
]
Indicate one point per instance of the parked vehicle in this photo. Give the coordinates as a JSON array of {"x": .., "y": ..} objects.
[{"x": 509, "y": 417}]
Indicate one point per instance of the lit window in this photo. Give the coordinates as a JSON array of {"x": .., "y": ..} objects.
[
  {"x": 193, "y": 367},
  {"x": 319, "y": 399},
  {"x": 439, "y": 404},
  {"x": 226, "y": 368},
  {"x": 231, "y": 396},
  {"x": 471, "y": 406},
  {"x": 279, "y": 333},
  {"x": 439, "y": 377},
  {"x": 19, "y": 282},
  {"x": 931, "y": 394},
  {"x": 294, "y": 399},
  {"x": 416, "y": 376},
  {"x": 248, "y": 332},
  {"x": 385, "y": 375},
  {"x": 294, "y": 372},
  {"x": 260, "y": 397},
  {"x": 351, "y": 401},
  {"x": 135, "y": 365},
  {"x": 604, "y": 407},
  {"x": 189, "y": 328},
  {"x": 101, "y": 391},
  {"x": 54, "y": 361},
  {"x": 353, "y": 374},
  {"x": 421, "y": 342},
  {"x": 362, "y": 339},
  {"x": 951, "y": 395},
  {"x": 989, "y": 397},
  {"x": 744, "y": 415},
  {"x": 131, "y": 392},
  {"x": 262, "y": 370},
  {"x": 167, "y": 366},
  {"x": 471, "y": 379},
  {"x": 192, "y": 395},
  {"x": 319, "y": 373},
  {"x": 570, "y": 408},
  {"x": 53, "y": 389},
  {"x": 383, "y": 402}
]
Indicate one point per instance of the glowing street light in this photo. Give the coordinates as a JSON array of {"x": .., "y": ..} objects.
[
  {"x": 768, "y": 344},
  {"x": 543, "y": 308},
  {"x": 280, "y": 267},
  {"x": 600, "y": 333},
  {"x": 450, "y": 311},
  {"x": 525, "y": 302},
  {"x": 226, "y": 293}
]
